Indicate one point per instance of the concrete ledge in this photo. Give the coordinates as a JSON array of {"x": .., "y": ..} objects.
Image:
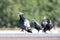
[
  {"x": 27, "y": 35},
  {"x": 8, "y": 33}
]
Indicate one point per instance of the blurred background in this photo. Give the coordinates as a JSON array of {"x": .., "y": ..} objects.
[{"x": 32, "y": 9}]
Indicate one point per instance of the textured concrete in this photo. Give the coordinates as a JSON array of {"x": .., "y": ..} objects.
[{"x": 30, "y": 38}]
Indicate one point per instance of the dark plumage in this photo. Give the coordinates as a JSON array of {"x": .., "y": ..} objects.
[
  {"x": 36, "y": 25},
  {"x": 21, "y": 22},
  {"x": 24, "y": 23},
  {"x": 43, "y": 23},
  {"x": 48, "y": 26}
]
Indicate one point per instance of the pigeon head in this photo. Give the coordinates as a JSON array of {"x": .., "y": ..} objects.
[
  {"x": 20, "y": 13},
  {"x": 44, "y": 17}
]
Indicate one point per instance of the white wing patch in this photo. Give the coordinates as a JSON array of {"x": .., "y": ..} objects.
[{"x": 27, "y": 23}]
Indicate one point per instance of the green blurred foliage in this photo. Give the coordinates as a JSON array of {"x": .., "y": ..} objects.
[{"x": 32, "y": 9}]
